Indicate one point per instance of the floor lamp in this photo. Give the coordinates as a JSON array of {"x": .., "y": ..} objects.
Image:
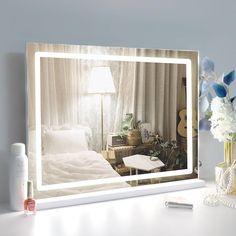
[{"x": 101, "y": 82}]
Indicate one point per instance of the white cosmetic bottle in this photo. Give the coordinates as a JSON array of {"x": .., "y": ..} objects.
[{"x": 18, "y": 176}]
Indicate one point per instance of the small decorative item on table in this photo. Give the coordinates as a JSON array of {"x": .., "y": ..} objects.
[
  {"x": 130, "y": 129},
  {"x": 115, "y": 140},
  {"x": 146, "y": 133},
  {"x": 134, "y": 137},
  {"x": 30, "y": 203},
  {"x": 218, "y": 114}
]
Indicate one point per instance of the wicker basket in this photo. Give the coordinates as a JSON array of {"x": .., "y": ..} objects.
[{"x": 134, "y": 137}]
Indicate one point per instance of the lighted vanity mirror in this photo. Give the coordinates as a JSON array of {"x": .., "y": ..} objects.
[{"x": 109, "y": 118}]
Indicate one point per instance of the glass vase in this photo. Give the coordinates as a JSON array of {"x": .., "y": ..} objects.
[{"x": 228, "y": 152}]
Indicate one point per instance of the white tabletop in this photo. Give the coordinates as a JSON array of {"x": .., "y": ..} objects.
[
  {"x": 142, "y": 162},
  {"x": 134, "y": 217}
]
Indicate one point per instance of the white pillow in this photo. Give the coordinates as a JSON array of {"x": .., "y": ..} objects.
[
  {"x": 87, "y": 129},
  {"x": 64, "y": 141}
]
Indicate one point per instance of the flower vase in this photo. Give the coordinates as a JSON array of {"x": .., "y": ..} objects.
[
  {"x": 222, "y": 179},
  {"x": 228, "y": 152}
]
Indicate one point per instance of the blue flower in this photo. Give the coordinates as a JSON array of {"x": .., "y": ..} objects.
[{"x": 206, "y": 66}]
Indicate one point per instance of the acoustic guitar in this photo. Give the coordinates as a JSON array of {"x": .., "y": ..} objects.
[{"x": 182, "y": 126}]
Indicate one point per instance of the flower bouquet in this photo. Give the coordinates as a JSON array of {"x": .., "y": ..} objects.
[{"x": 218, "y": 114}]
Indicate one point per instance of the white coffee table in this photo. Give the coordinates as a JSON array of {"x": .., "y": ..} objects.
[{"x": 142, "y": 162}]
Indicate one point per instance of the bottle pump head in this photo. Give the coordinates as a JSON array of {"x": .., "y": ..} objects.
[{"x": 18, "y": 149}]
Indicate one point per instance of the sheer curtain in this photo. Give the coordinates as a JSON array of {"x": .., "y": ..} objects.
[{"x": 65, "y": 100}]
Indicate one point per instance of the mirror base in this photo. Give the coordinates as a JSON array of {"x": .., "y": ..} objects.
[{"x": 87, "y": 198}]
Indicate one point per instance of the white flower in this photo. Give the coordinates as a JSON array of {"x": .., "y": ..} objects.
[{"x": 223, "y": 119}]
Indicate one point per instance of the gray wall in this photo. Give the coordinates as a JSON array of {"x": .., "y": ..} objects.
[{"x": 204, "y": 25}]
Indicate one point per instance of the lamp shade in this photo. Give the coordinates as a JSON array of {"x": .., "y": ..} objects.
[{"x": 100, "y": 81}]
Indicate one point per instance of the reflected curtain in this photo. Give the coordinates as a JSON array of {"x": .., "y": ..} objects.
[
  {"x": 154, "y": 93},
  {"x": 151, "y": 91}
]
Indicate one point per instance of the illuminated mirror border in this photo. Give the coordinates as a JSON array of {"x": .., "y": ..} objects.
[{"x": 38, "y": 55}]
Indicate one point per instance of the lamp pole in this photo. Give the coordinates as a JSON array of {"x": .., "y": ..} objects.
[{"x": 101, "y": 82}]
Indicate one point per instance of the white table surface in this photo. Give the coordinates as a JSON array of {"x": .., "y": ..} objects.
[
  {"x": 142, "y": 162},
  {"x": 134, "y": 217}
]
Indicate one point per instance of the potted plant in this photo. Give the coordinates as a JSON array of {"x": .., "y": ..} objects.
[
  {"x": 134, "y": 135},
  {"x": 169, "y": 153}
]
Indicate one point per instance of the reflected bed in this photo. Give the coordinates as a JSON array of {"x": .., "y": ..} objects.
[{"x": 70, "y": 167}]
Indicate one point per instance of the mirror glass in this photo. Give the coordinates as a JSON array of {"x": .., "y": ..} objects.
[{"x": 103, "y": 118}]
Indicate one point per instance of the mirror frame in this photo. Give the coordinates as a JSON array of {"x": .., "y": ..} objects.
[{"x": 116, "y": 193}]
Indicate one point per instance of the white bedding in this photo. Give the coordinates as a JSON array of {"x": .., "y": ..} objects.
[
  {"x": 70, "y": 167},
  {"x": 85, "y": 165}
]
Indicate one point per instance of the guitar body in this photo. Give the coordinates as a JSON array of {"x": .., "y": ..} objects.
[{"x": 182, "y": 126}]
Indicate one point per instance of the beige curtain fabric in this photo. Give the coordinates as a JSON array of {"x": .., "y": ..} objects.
[
  {"x": 154, "y": 93},
  {"x": 160, "y": 86}
]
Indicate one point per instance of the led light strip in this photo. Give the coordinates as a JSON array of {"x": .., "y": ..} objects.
[{"x": 39, "y": 55}]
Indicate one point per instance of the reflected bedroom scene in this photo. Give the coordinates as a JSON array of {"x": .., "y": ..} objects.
[{"x": 105, "y": 118}]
